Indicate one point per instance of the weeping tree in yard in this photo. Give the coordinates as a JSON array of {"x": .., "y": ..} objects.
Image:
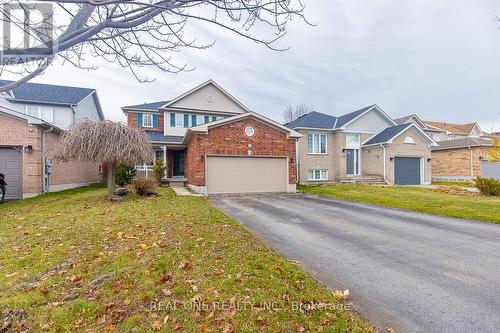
[{"x": 104, "y": 141}]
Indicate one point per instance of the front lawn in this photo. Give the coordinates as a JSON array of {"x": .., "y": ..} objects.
[
  {"x": 72, "y": 261},
  {"x": 472, "y": 206},
  {"x": 452, "y": 183}
]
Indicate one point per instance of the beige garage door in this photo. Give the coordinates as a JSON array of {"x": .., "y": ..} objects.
[{"x": 246, "y": 174}]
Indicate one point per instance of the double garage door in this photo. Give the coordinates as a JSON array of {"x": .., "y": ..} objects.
[
  {"x": 407, "y": 171},
  {"x": 11, "y": 167},
  {"x": 246, "y": 174}
]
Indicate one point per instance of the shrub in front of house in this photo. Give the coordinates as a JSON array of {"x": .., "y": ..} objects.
[
  {"x": 488, "y": 186},
  {"x": 144, "y": 187},
  {"x": 158, "y": 171},
  {"x": 125, "y": 174}
]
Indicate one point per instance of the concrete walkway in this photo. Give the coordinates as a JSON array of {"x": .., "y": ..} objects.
[{"x": 184, "y": 191}]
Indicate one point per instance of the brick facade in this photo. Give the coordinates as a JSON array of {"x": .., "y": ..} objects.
[
  {"x": 132, "y": 121},
  {"x": 230, "y": 139},
  {"x": 16, "y": 132},
  {"x": 457, "y": 162}
]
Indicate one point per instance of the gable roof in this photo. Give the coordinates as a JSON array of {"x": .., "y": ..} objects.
[
  {"x": 463, "y": 143},
  {"x": 420, "y": 123},
  {"x": 206, "y": 83},
  {"x": 464, "y": 129},
  {"x": 318, "y": 120},
  {"x": 205, "y": 127},
  {"x": 154, "y": 106},
  {"x": 349, "y": 117},
  {"x": 390, "y": 133},
  {"x": 313, "y": 120},
  {"x": 48, "y": 93}
]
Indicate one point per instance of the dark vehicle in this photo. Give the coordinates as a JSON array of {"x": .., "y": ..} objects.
[{"x": 2, "y": 187}]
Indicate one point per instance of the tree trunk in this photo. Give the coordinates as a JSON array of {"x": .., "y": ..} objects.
[{"x": 111, "y": 180}]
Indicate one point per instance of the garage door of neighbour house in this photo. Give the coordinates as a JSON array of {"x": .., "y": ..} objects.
[
  {"x": 490, "y": 169},
  {"x": 246, "y": 174},
  {"x": 11, "y": 167},
  {"x": 407, "y": 171}
]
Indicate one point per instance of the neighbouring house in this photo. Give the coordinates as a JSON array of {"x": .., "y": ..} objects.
[
  {"x": 463, "y": 159},
  {"x": 462, "y": 152},
  {"x": 210, "y": 141},
  {"x": 32, "y": 118},
  {"x": 441, "y": 131},
  {"x": 362, "y": 146}
]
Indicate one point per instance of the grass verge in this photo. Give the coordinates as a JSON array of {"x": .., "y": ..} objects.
[
  {"x": 452, "y": 183},
  {"x": 72, "y": 261},
  {"x": 473, "y": 206}
]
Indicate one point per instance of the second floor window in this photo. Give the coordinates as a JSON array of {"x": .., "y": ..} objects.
[
  {"x": 316, "y": 143},
  {"x": 40, "y": 112},
  {"x": 147, "y": 120}
]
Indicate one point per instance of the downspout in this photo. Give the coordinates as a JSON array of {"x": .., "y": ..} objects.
[
  {"x": 45, "y": 185},
  {"x": 471, "y": 164},
  {"x": 297, "y": 163},
  {"x": 385, "y": 172}
]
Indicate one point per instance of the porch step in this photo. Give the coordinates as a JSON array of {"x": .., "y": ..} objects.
[
  {"x": 362, "y": 180},
  {"x": 176, "y": 181}
]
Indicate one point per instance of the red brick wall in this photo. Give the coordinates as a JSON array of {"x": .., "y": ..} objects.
[
  {"x": 230, "y": 139},
  {"x": 132, "y": 121},
  {"x": 70, "y": 172},
  {"x": 16, "y": 132}
]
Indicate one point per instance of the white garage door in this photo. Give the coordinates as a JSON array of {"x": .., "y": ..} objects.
[{"x": 246, "y": 174}]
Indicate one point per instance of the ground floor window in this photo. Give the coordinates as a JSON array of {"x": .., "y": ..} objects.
[{"x": 318, "y": 174}]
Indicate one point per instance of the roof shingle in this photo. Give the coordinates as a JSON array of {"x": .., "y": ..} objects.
[
  {"x": 48, "y": 93},
  {"x": 147, "y": 106},
  {"x": 463, "y": 143},
  {"x": 387, "y": 134},
  {"x": 157, "y": 136}
]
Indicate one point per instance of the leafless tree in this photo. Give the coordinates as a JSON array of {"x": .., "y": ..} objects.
[
  {"x": 104, "y": 141},
  {"x": 138, "y": 33},
  {"x": 293, "y": 112}
]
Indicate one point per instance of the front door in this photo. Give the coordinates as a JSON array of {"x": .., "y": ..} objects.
[
  {"x": 178, "y": 161},
  {"x": 352, "y": 160}
]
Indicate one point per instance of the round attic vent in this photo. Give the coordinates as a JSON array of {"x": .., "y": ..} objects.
[
  {"x": 249, "y": 131},
  {"x": 211, "y": 98}
]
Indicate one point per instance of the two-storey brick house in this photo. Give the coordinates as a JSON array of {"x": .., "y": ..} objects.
[{"x": 215, "y": 144}]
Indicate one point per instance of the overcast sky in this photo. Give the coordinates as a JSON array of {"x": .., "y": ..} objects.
[{"x": 438, "y": 59}]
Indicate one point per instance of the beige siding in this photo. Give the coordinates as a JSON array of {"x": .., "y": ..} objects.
[
  {"x": 198, "y": 100},
  {"x": 246, "y": 174},
  {"x": 419, "y": 149},
  {"x": 371, "y": 122}
]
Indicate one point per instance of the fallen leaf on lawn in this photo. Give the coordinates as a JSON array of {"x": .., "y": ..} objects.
[
  {"x": 197, "y": 298},
  {"x": 120, "y": 235},
  {"x": 144, "y": 246},
  {"x": 156, "y": 326},
  {"x": 165, "y": 278},
  {"x": 11, "y": 274},
  {"x": 228, "y": 328},
  {"x": 167, "y": 292},
  {"x": 127, "y": 302},
  {"x": 165, "y": 320},
  {"x": 44, "y": 291},
  {"x": 116, "y": 284},
  {"x": 75, "y": 278},
  {"x": 186, "y": 266},
  {"x": 195, "y": 288}
]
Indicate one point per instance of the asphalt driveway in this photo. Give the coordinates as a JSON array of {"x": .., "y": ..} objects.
[{"x": 410, "y": 271}]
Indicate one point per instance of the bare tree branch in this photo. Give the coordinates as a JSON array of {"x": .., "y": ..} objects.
[
  {"x": 293, "y": 112},
  {"x": 138, "y": 33}
]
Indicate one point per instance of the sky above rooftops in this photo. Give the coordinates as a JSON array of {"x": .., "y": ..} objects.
[{"x": 437, "y": 59}]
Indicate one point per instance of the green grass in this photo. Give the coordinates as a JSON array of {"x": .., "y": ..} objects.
[
  {"x": 72, "y": 261},
  {"x": 452, "y": 183},
  {"x": 473, "y": 206}
]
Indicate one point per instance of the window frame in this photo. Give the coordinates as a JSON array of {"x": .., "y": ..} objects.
[
  {"x": 39, "y": 112},
  {"x": 179, "y": 120},
  {"x": 320, "y": 172},
  {"x": 147, "y": 116},
  {"x": 317, "y": 141}
]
